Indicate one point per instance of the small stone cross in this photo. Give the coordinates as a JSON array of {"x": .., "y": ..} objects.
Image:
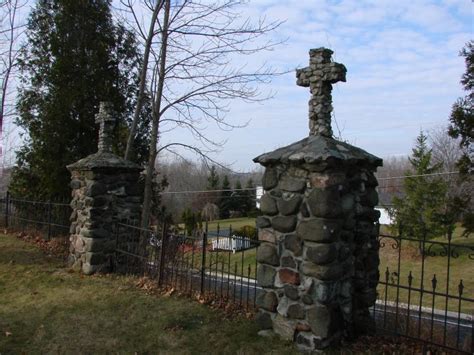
[
  {"x": 319, "y": 77},
  {"x": 106, "y": 121}
]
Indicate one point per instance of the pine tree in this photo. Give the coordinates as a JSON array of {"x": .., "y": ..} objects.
[
  {"x": 419, "y": 213},
  {"x": 249, "y": 194},
  {"x": 462, "y": 114},
  {"x": 238, "y": 198},
  {"x": 75, "y": 58},
  {"x": 213, "y": 179},
  {"x": 213, "y": 184}
]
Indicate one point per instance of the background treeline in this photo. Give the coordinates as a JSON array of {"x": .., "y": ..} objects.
[{"x": 214, "y": 192}]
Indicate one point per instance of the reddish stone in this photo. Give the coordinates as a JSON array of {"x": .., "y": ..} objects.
[
  {"x": 288, "y": 276},
  {"x": 301, "y": 327},
  {"x": 266, "y": 235},
  {"x": 325, "y": 180}
]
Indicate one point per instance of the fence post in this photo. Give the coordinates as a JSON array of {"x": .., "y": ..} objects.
[
  {"x": 203, "y": 259},
  {"x": 164, "y": 237},
  {"x": 49, "y": 209},
  {"x": 7, "y": 207}
]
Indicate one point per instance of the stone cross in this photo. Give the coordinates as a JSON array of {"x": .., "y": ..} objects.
[
  {"x": 319, "y": 77},
  {"x": 106, "y": 121}
]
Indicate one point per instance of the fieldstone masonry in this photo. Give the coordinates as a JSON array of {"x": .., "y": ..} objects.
[
  {"x": 105, "y": 190},
  {"x": 318, "y": 261}
]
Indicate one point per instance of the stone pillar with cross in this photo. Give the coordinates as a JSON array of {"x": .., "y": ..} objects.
[
  {"x": 106, "y": 127},
  {"x": 106, "y": 190},
  {"x": 319, "y": 77},
  {"x": 318, "y": 257}
]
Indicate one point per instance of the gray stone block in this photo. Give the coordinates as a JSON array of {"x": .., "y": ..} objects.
[
  {"x": 291, "y": 292},
  {"x": 270, "y": 178},
  {"x": 295, "y": 311},
  {"x": 322, "y": 254},
  {"x": 326, "y": 292},
  {"x": 293, "y": 243},
  {"x": 288, "y": 261},
  {"x": 284, "y": 224},
  {"x": 325, "y": 202},
  {"x": 265, "y": 275},
  {"x": 329, "y": 272},
  {"x": 284, "y": 327},
  {"x": 323, "y": 320},
  {"x": 267, "y": 300},
  {"x": 95, "y": 258},
  {"x": 267, "y": 254},
  {"x": 290, "y": 206},
  {"x": 268, "y": 205},
  {"x": 263, "y": 222},
  {"x": 292, "y": 184},
  {"x": 319, "y": 230},
  {"x": 96, "y": 188},
  {"x": 263, "y": 320}
]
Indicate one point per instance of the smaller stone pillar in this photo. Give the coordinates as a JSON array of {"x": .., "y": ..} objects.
[
  {"x": 318, "y": 258},
  {"x": 105, "y": 190}
]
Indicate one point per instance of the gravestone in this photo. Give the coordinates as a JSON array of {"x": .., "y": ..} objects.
[
  {"x": 105, "y": 190},
  {"x": 318, "y": 259}
]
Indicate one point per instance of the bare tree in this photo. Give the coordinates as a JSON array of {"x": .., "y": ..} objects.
[
  {"x": 194, "y": 46},
  {"x": 11, "y": 29}
]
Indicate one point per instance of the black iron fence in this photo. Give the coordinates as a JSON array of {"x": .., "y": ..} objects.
[
  {"x": 216, "y": 264},
  {"x": 425, "y": 290},
  {"x": 48, "y": 219}
]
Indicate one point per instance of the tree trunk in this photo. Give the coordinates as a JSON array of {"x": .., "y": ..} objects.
[
  {"x": 147, "y": 197},
  {"x": 141, "y": 88}
]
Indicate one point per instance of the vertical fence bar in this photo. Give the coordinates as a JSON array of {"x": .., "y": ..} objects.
[
  {"x": 7, "y": 208},
  {"x": 192, "y": 263},
  {"x": 400, "y": 233},
  {"x": 460, "y": 292},
  {"x": 387, "y": 273},
  {"x": 410, "y": 282},
  {"x": 446, "y": 305},
  {"x": 433, "y": 286},
  {"x": 420, "y": 306},
  {"x": 235, "y": 278},
  {"x": 50, "y": 217},
  {"x": 203, "y": 259},
  {"x": 164, "y": 238}
]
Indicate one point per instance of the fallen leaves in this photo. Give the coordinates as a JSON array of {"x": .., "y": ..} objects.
[{"x": 55, "y": 247}]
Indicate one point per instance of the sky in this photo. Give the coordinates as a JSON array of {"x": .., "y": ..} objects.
[{"x": 403, "y": 73}]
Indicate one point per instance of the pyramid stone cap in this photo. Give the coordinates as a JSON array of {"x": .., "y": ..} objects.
[
  {"x": 104, "y": 161},
  {"x": 318, "y": 149}
]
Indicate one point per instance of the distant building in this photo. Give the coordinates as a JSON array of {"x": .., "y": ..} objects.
[
  {"x": 258, "y": 195},
  {"x": 384, "y": 216}
]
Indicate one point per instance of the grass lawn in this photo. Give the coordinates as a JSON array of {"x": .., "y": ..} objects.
[
  {"x": 45, "y": 308},
  {"x": 461, "y": 268},
  {"x": 235, "y": 223}
]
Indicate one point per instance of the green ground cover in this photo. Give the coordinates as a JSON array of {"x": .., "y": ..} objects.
[{"x": 46, "y": 309}]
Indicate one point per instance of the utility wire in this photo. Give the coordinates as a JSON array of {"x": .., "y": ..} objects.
[{"x": 255, "y": 188}]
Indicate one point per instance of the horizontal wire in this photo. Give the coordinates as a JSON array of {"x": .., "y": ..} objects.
[{"x": 255, "y": 188}]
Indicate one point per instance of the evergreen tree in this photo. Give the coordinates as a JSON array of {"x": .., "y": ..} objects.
[
  {"x": 238, "y": 198},
  {"x": 419, "y": 212},
  {"x": 213, "y": 184},
  {"x": 213, "y": 179},
  {"x": 249, "y": 193},
  {"x": 75, "y": 58},
  {"x": 462, "y": 114},
  {"x": 225, "y": 199}
]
